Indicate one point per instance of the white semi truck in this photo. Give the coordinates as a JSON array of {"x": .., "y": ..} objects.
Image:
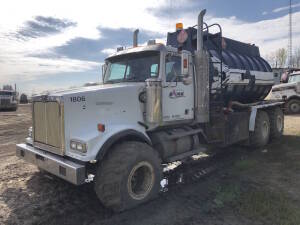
[
  {"x": 289, "y": 93},
  {"x": 8, "y": 100},
  {"x": 158, "y": 104}
]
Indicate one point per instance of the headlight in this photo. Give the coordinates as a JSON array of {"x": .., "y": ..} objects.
[
  {"x": 78, "y": 146},
  {"x": 30, "y": 132}
]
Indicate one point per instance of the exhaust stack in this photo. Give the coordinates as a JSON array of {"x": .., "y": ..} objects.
[
  {"x": 201, "y": 61},
  {"x": 135, "y": 38},
  {"x": 200, "y": 30}
]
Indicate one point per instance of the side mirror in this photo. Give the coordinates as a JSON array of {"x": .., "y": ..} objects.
[{"x": 185, "y": 70}]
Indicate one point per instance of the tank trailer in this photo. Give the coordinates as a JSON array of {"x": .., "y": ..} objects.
[{"x": 158, "y": 104}]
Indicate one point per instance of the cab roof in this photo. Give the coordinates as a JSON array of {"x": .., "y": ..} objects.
[{"x": 154, "y": 47}]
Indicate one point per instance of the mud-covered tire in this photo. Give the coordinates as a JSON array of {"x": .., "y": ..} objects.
[
  {"x": 128, "y": 176},
  {"x": 260, "y": 136},
  {"x": 293, "y": 106},
  {"x": 276, "y": 122}
]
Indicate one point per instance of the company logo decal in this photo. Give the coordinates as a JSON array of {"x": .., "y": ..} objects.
[{"x": 176, "y": 93}]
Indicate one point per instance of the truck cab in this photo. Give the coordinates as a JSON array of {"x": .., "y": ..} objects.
[
  {"x": 289, "y": 92},
  {"x": 162, "y": 65},
  {"x": 8, "y": 100}
]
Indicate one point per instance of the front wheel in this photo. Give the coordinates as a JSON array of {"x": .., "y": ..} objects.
[
  {"x": 128, "y": 176},
  {"x": 293, "y": 106}
]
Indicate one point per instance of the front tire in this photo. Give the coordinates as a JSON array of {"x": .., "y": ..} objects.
[
  {"x": 293, "y": 106},
  {"x": 128, "y": 176},
  {"x": 260, "y": 136}
]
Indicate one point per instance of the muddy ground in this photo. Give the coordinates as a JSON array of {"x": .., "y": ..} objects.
[{"x": 256, "y": 187}]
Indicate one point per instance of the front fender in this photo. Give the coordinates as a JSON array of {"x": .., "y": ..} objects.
[
  {"x": 129, "y": 134},
  {"x": 99, "y": 142}
]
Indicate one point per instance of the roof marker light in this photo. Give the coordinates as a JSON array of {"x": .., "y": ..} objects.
[{"x": 179, "y": 26}]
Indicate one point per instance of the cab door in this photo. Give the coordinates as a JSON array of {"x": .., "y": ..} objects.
[{"x": 178, "y": 89}]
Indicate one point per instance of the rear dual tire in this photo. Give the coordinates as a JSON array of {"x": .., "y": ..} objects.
[
  {"x": 261, "y": 134},
  {"x": 268, "y": 125},
  {"x": 276, "y": 122}
]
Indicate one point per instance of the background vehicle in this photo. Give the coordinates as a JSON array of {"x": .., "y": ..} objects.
[
  {"x": 8, "y": 98},
  {"x": 289, "y": 92},
  {"x": 23, "y": 99},
  {"x": 158, "y": 104}
]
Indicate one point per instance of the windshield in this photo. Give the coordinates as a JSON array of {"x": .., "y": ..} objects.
[
  {"x": 294, "y": 78},
  {"x": 135, "y": 67}
]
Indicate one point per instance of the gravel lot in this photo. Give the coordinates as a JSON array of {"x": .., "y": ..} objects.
[{"x": 28, "y": 196}]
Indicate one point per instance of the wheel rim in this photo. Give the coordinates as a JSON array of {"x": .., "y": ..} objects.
[
  {"x": 265, "y": 130},
  {"x": 295, "y": 107},
  {"x": 140, "y": 180},
  {"x": 279, "y": 124}
]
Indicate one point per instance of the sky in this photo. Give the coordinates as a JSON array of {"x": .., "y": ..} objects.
[{"x": 47, "y": 45}]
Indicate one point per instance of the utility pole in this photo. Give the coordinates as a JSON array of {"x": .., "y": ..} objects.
[{"x": 290, "y": 46}]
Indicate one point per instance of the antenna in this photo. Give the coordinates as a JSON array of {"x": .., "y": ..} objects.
[
  {"x": 170, "y": 17},
  {"x": 290, "y": 46}
]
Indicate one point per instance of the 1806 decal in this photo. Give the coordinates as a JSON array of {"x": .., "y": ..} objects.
[{"x": 77, "y": 99}]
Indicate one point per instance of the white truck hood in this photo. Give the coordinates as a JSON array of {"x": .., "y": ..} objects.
[
  {"x": 58, "y": 95},
  {"x": 281, "y": 87},
  {"x": 94, "y": 88}
]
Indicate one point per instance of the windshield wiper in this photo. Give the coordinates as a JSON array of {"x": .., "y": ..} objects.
[
  {"x": 113, "y": 81},
  {"x": 140, "y": 78}
]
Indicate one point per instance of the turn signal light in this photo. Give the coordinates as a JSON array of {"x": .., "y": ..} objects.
[{"x": 101, "y": 127}]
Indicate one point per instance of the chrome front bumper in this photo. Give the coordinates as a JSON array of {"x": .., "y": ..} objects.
[
  {"x": 54, "y": 164},
  {"x": 10, "y": 106}
]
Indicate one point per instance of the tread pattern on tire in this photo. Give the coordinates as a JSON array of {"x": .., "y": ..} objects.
[
  {"x": 288, "y": 106},
  {"x": 114, "y": 167},
  {"x": 256, "y": 139},
  {"x": 273, "y": 113}
]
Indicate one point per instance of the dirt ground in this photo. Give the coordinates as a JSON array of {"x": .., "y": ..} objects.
[{"x": 257, "y": 187}]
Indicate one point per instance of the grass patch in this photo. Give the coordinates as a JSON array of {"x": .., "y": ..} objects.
[
  {"x": 291, "y": 165},
  {"x": 270, "y": 207},
  {"x": 227, "y": 194},
  {"x": 246, "y": 164}
]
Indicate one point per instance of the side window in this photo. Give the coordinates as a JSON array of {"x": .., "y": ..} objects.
[
  {"x": 173, "y": 68},
  {"x": 117, "y": 71},
  {"x": 154, "y": 70}
]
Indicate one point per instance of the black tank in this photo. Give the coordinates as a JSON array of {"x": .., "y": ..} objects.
[{"x": 235, "y": 55}]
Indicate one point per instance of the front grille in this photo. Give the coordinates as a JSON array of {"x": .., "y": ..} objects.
[
  {"x": 4, "y": 102},
  {"x": 48, "y": 126}
]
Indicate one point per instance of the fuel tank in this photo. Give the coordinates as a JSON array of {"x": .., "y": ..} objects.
[{"x": 235, "y": 66}]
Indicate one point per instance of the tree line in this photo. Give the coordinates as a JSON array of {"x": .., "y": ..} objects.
[{"x": 279, "y": 58}]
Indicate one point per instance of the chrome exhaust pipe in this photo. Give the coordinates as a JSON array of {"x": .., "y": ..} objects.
[
  {"x": 135, "y": 38},
  {"x": 201, "y": 62},
  {"x": 200, "y": 30}
]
